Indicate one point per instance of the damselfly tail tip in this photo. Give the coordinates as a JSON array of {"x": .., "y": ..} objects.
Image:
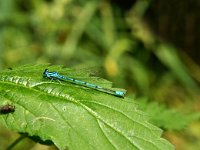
[{"x": 120, "y": 93}]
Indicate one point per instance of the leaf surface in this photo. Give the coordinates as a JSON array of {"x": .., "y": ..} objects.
[{"x": 72, "y": 116}]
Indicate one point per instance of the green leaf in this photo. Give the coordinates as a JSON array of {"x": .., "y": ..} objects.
[
  {"x": 73, "y": 116},
  {"x": 169, "y": 119}
]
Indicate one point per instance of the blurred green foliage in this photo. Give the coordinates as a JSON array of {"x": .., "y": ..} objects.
[{"x": 99, "y": 33}]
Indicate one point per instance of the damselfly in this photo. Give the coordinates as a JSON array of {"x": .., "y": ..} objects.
[{"x": 57, "y": 76}]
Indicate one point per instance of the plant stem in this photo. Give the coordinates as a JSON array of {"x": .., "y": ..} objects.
[{"x": 20, "y": 138}]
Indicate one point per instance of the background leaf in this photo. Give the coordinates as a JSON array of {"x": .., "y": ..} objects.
[
  {"x": 168, "y": 119},
  {"x": 72, "y": 116}
]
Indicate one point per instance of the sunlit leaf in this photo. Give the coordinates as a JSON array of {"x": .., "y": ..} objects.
[{"x": 73, "y": 116}]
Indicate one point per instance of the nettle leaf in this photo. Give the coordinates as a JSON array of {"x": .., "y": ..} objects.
[
  {"x": 72, "y": 116},
  {"x": 169, "y": 119}
]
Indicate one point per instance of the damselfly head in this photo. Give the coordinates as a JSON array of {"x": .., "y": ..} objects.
[{"x": 45, "y": 73}]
